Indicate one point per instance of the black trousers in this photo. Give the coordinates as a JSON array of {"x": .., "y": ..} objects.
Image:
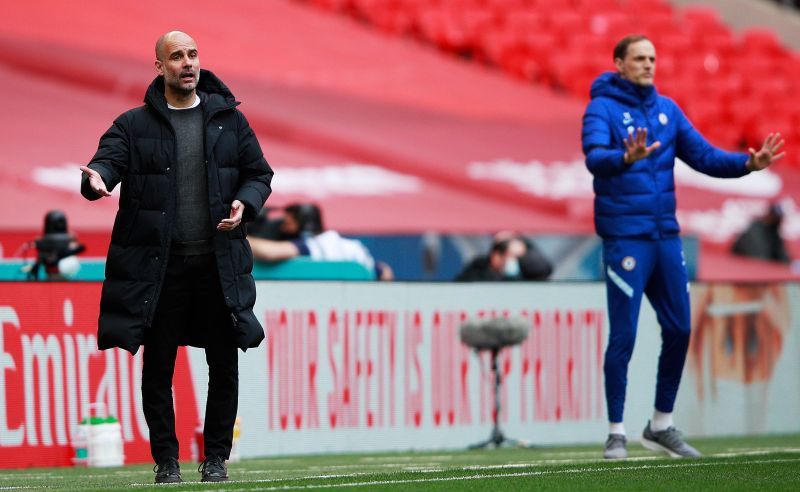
[{"x": 191, "y": 291}]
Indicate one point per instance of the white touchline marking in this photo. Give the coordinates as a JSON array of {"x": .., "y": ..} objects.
[
  {"x": 773, "y": 449},
  {"x": 515, "y": 475},
  {"x": 405, "y": 466},
  {"x": 471, "y": 477}
]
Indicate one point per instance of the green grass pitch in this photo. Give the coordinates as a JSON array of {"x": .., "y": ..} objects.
[{"x": 741, "y": 463}]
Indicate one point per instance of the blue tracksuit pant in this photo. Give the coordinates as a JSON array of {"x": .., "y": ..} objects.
[{"x": 657, "y": 269}]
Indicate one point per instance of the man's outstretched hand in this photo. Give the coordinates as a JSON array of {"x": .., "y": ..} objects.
[
  {"x": 231, "y": 223},
  {"x": 766, "y": 155},
  {"x": 636, "y": 146},
  {"x": 95, "y": 181}
]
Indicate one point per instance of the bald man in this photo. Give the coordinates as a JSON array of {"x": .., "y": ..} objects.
[{"x": 190, "y": 171}]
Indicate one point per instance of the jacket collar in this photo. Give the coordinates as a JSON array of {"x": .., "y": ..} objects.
[
  {"x": 214, "y": 94},
  {"x": 611, "y": 85}
]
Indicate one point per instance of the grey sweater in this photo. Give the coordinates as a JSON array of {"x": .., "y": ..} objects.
[{"x": 193, "y": 230}]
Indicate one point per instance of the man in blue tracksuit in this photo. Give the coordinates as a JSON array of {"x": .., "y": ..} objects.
[{"x": 631, "y": 137}]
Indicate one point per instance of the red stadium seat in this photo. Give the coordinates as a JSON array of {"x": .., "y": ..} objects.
[
  {"x": 732, "y": 89},
  {"x": 765, "y": 88},
  {"x": 392, "y": 20},
  {"x": 523, "y": 22},
  {"x": 761, "y": 41},
  {"x": 496, "y": 47},
  {"x": 567, "y": 23},
  {"x": 704, "y": 112},
  {"x": 703, "y": 64},
  {"x": 551, "y": 6},
  {"x": 541, "y": 43},
  {"x": 675, "y": 43},
  {"x": 654, "y": 26},
  {"x": 576, "y": 73},
  {"x": 526, "y": 67},
  {"x": 599, "y": 6},
  {"x": 720, "y": 42},
  {"x": 367, "y": 7},
  {"x": 539, "y": 49},
  {"x": 653, "y": 7},
  {"x": 332, "y": 4},
  {"x": 502, "y": 6},
  {"x": 766, "y": 123},
  {"x": 743, "y": 112},
  {"x": 792, "y": 64},
  {"x": 702, "y": 19},
  {"x": 612, "y": 24},
  {"x": 599, "y": 47}
]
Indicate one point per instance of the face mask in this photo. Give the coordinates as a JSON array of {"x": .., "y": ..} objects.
[{"x": 511, "y": 268}]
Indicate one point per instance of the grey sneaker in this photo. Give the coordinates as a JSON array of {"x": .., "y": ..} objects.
[
  {"x": 615, "y": 447},
  {"x": 668, "y": 441}
]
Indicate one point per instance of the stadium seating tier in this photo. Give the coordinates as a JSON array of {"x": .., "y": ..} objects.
[{"x": 735, "y": 88}]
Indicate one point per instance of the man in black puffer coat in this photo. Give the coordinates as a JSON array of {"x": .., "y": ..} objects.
[{"x": 179, "y": 267}]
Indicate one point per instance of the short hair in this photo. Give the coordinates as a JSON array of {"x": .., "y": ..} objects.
[
  {"x": 160, "y": 46},
  {"x": 500, "y": 247},
  {"x": 621, "y": 49}
]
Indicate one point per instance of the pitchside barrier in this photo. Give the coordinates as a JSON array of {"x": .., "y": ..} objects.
[
  {"x": 303, "y": 268},
  {"x": 352, "y": 366}
]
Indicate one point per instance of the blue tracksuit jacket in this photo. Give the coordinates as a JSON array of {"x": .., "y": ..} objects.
[{"x": 639, "y": 200}]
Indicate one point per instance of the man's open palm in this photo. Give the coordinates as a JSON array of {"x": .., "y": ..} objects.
[
  {"x": 636, "y": 147},
  {"x": 95, "y": 181},
  {"x": 767, "y": 154}
]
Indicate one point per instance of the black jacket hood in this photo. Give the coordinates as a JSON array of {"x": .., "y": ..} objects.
[{"x": 212, "y": 91}]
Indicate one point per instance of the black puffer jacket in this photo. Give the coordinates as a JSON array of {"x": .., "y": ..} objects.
[{"x": 138, "y": 152}]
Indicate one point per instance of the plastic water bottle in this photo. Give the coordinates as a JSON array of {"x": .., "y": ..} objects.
[{"x": 80, "y": 444}]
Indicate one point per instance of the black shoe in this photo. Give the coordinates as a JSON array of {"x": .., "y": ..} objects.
[
  {"x": 168, "y": 471},
  {"x": 213, "y": 470}
]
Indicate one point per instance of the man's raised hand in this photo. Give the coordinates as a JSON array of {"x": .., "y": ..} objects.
[
  {"x": 95, "y": 181},
  {"x": 636, "y": 146},
  {"x": 766, "y": 155}
]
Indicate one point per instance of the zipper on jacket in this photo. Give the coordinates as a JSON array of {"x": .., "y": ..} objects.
[
  {"x": 168, "y": 227},
  {"x": 653, "y": 169}
]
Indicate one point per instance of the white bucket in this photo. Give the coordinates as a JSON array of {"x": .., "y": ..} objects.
[{"x": 104, "y": 439}]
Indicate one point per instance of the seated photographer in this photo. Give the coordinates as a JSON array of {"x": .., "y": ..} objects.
[
  {"x": 762, "y": 239},
  {"x": 55, "y": 250},
  {"x": 301, "y": 233},
  {"x": 510, "y": 258}
]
